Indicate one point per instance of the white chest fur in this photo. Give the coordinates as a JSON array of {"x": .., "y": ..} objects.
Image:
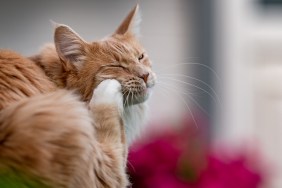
[{"x": 134, "y": 118}]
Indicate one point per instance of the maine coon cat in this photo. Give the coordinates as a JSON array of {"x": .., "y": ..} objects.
[{"x": 69, "y": 113}]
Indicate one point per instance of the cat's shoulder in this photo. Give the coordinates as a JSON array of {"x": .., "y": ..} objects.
[
  {"x": 9, "y": 55},
  {"x": 46, "y": 55}
]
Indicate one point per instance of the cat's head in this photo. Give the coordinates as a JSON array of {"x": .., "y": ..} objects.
[{"x": 119, "y": 56}]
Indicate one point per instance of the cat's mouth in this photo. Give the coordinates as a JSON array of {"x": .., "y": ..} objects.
[
  {"x": 135, "y": 89},
  {"x": 135, "y": 93}
]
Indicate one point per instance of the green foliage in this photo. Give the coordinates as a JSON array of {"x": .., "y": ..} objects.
[{"x": 16, "y": 179}]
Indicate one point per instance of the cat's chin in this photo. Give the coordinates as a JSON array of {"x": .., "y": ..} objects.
[{"x": 139, "y": 97}]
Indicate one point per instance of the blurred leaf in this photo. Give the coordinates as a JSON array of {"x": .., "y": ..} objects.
[{"x": 15, "y": 179}]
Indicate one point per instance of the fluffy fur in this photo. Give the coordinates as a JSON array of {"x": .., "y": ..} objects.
[
  {"x": 73, "y": 63},
  {"x": 69, "y": 113}
]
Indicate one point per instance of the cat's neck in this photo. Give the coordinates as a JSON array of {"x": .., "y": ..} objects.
[
  {"x": 134, "y": 118},
  {"x": 49, "y": 61},
  {"x": 59, "y": 73}
]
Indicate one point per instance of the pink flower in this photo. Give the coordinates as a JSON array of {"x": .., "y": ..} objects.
[{"x": 180, "y": 159}]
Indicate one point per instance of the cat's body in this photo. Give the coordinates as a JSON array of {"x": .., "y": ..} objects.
[
  {"x": 49, "y": 135},
  {"x": 68, "y": 114}
]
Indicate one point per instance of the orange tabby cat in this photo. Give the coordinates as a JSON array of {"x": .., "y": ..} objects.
[{"x": 49, "y": 134}]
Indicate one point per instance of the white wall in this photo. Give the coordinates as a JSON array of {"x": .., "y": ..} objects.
[{"x": 248, "y": 51}]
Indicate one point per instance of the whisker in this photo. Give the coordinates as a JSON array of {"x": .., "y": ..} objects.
[
  {"x": 190, "y": 63},
  {"x": 123, "y": 96},
  {"x": 186, "y": 76},
  {"x": 190, "y": 111},
  {"x": 131, "y": 96},
  {"x": 130, "y": 164},
  {"x": 158, "y": 83},
  {"x": 161, "y": 84},
  {"x": 127, "y": 103},
  {"x": 188, "y": 108},
  {"x": 162, "y": 88},
  {"x": 193, "y": 100},
  {"x": 180, "y": 81}
]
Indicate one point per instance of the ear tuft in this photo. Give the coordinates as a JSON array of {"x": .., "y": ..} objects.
[
  {"x": 131, "y": 23},
  {"x": 54, "y": 24},
  {"x": 70, "y": 47}
]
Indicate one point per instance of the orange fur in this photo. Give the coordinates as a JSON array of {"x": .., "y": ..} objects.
[
  {"x": 20, "y": 78},
  {"x": 63, "y": 119}
]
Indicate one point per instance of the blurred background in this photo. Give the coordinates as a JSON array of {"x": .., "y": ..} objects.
[{"x": 216, "y": 112}]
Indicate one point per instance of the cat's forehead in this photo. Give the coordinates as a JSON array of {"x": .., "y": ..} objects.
[{"x": 121, "y": 44}]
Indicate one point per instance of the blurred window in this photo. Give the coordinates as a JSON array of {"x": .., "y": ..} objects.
[{"x": 270, "y": 2}]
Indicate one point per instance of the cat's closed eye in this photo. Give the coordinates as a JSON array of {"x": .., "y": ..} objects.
[{"x": 141, "y": 57}]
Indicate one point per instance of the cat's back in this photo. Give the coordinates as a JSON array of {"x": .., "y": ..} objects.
[{"x": 20, "y": 78}]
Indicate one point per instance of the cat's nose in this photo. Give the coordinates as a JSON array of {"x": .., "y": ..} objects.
[{"x": 145, "y": 77}]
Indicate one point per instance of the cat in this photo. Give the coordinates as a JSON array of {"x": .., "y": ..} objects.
[{"x": 69, "y": 113}]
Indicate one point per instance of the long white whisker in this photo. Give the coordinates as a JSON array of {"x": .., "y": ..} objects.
[
  {"x": 127, "y": 103},
  {"x": 189, "y": 109},
  {"x": 131, "y": 96},
  {"x": 192, "y": 99},
  {"x": 123, "y": 96},
  {"x": 186, "y": 76},
  {"x": 171, "y": 86},
  {"x": 198, "y": 64},
  {"x": 180, "y": 81}
]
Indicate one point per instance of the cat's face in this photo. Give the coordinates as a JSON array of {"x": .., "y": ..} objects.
[
  {"x": 125, "y": 60},
  {"x": 119, "y": 56}
]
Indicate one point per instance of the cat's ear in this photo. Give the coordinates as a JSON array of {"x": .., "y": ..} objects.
[
  {"x": 130, "y": 24},
  {"x": 69, "y": 45}
]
